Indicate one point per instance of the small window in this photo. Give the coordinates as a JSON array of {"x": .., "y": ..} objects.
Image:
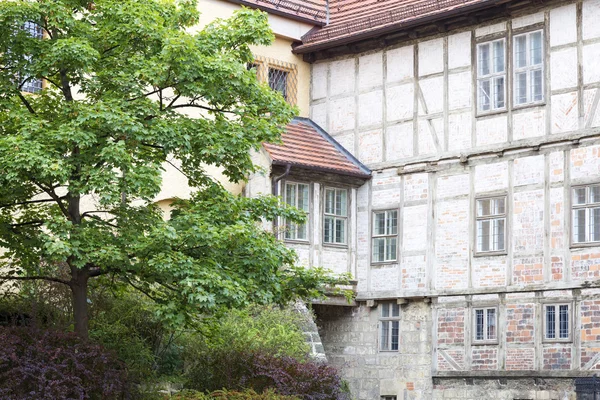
[
  {"x": 388, "y": 398},
  {"x": 389, "y": 326},
  {"x": 485, "y": 325},
  {"x": 491, "y": 224},
  {"x": 557, "y": 326},
  {"x": 586, "y": 214},
  {"x": 278, "y": 81},
  {"x": 296, "y": 194},
  {"x": 491, "y": 76},
  {"x": 528, "y": 68},
  {"x": 32, "y": 85},
  {"x": 385, "y": 236},
  {"x": 336, "y": 216}
]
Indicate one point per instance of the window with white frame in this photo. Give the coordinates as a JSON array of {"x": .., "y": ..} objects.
[
  {"x": 336, "y": 216},
  {"x": 528, "y": 68},
  {"x": 385, "y": 236},
  {"x": 491, "y": 76},
  {"x": 32, "y": 85},
  {"x": 485, "y": 321},
  {"x": 389, "y": 326},
  {"x": 491, "y": 224},
  {"x": 557, "y": 322},
  {"x": 296, "y": 194},
  {"x": 586, "y": 214}
]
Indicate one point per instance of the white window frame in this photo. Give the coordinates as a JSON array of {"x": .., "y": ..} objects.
[
  {"x": 528, "y": 69},
  {"x": 588, "y": 206},
  {"x": 491, "y": 77},
  {"x": 557, "y": 321},
  {"x": 292, "y": 228},
  {"x": 336, "y": 217},
  {"x": 491, "y": 217},
  {"x": 387, "y": 236},
  {"x": 486, "y": 338},
  {"x": 387, "y": 322}
]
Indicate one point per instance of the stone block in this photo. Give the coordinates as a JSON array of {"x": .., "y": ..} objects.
[
  {"x": 318, "y": 113},
  {"x": 563, "y": 25},
  {"x": 400, "y": 64},
  {"x": 591, "y": 16},
  {"x": 585, "y": 162},
  {"x": 414, "y": 236},
  {"x": 459, "y": 50},
  {"x": 563, "y": 68},
  {"x": 490, "y": 29},
  {"x": 431, "y": 57},
  {"x": 385, "y": 278},
  {"x": 429, "y": 132},
  {"x": 459, "y": 90},
  {"x": 528, "y": 216},
  {"x": 370, "y": 71},
  {"x": 413, "y": 270},
  {"x": 530, "y": 123},
  {"x": 565, "y": 117},
  {"x": 591, "y": 60},
  {"x": 452, "y": 185},
  {"x": 459, "y": 131},
  {"x": 342, "y": 115},
  {"x": 400, "y": 102},
  {"x": 527, "y": 20},
  {"x": 399, "y": 141},
  {"x": 491, "y": 177},
  {"x": 488, "y": 271},
  {"x": 319, "y": 81},
  {"x": 492, "y": 130},
  {"x": 370, "y": 108},
  {"x": 431, "y": 89},
  {"x": 343, "y": 76},
  {"x": 370, "y": 146},
  {"x": 528, "y": 170}
]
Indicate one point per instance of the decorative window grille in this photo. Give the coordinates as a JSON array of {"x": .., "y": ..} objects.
[
  {"x": 491, "y": 76},
  {"x": 281, "y": 76},
  {"x": 385, "y": 236},
  {"x": 491, "y": 224},
  {"x": 586, "y": 214},
  {"x": 485, "y": 325},
  {"x": 529, "y": 68},
  {"x": 336, "y": 216},
  {"x": 32, "y": 85},
  {"x": 557, "y": 322},
  {"x": 389, "y": 326},
  {"x": 296, "y": 194}
]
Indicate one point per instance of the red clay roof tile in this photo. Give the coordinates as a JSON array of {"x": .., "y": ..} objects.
[{"x": 305, "y": 144}]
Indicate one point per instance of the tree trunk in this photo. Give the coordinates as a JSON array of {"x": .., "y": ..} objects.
[{"x": 80, "y": 305}]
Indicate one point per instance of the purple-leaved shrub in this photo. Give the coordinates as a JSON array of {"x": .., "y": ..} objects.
[{"x": 44, "y": 365}]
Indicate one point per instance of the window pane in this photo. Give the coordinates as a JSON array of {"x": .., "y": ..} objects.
[
  {"x": 329, "y": 201},
  {"x": 340, "y": 230},
  {"x": 579, "y": 196},
  {"x": 290, "y": 194},
  {"x": 392, "y": 223},
  {"x": 498, "y": 206},
  {"x": 379, "y": 224},
  {"x": 385, "y": 335},
  {"x": 579, "y": 226},
  {"x": 498, "y": 232},
  {"x": 303, "y": 197},
  {"x": 594, "y": 194},
  {"x": 594, "y": 224},
  {"x": 536, "y": 48},
  {"x": 491, "y": 324},
  {"x": 483, "y": 235},
  {"x": 328, "y": 230},
  {"x": 378, "y": 249},
  {"x": 564, "y": 321},
  {"x": 390, "y": 249},
  {"x": 278, "y": 81},
  {"x": 521, "y": 51},
  {"x": 385, "y": 310},
  {"x": 484, "y": 95},
  {"x": 301, "y": 232},
  {"x": 536, "y": 82},
  {"x": 499, "y": 56},
  {"x": 289, "y": 230},
  {"x": 478, "y": 324},
  {"x": 499, "y": 92},
  {"x": 395, "y": 331},
  {"x": 521, "y": 89},
  {"x": 341, "y": 202},
  {"x": 484, "y": 59},
  {"x": 395, "y": 310},
  {"x": 483, "y": 207},
  {"x": 550, "y": 322}
]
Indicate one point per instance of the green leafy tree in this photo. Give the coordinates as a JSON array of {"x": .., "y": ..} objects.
[{"x": 80, "y": 161}]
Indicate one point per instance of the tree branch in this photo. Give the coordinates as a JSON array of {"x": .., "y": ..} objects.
[
  {"x": 22, "y": 203},
  {"x": 25, "y": 102},
  {"x": 36, "y": 222},
  {"x": 54, "y": 197},
  {"x": 34, "y": 278},
  {"x": 203, "y": 107}
]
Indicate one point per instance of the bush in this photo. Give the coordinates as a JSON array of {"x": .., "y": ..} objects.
[
  {"x": 226, "y": 395},
  {"x": 50, "y": 364}
]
